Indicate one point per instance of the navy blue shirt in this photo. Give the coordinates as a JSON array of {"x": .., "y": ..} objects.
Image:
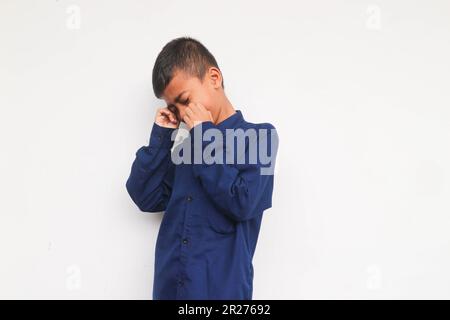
[{"x": 213, "y": 213}]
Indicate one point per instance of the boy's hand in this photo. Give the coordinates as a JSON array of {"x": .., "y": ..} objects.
[
  {"x": 196, "y": 113},
  {"x": 166, "y": 118}
]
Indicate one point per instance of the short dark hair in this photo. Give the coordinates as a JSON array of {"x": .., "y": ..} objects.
[{"x": 185, "y": 54}]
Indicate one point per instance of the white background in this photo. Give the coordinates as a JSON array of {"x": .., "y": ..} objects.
[{"x": 359, "y": 93}]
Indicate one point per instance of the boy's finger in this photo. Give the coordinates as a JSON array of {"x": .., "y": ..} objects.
[
  {"x": 187, "y": 120},
  {"x": 189, "y": 111},
  {"x": 164, "y": 112},
  {"x": 193, "y": 106},
  {"x": 170, "y": 115},
  {"x": 201, "y": 107}
]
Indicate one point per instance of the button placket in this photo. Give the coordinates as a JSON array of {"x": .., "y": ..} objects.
[
  {"x": 185, "y": 239},
  {"x": 185, "y": 242}
]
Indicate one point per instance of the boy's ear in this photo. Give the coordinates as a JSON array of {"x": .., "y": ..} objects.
[{"x": 215, "y": 77}]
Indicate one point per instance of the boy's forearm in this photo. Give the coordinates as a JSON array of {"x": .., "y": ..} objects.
[{"x": 150, "y": 181}]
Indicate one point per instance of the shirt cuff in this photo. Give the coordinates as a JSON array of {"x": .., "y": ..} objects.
[{"x": 161, "y": 136}]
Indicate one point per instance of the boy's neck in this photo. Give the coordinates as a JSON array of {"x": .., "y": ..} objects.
[{"x": 225, "y": 111}]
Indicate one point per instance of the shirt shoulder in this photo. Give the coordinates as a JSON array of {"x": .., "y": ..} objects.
[
  {"x": 264, "y": 130},
  {"x": 253, "y": 125},
  {"x": 265, "y": 133}
]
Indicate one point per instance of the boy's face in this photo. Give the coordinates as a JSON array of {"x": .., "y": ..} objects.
[{"x": 183, "y": 89}]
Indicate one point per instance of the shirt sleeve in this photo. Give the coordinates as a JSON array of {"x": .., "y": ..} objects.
[
  {"x": 242, "y": 191},
  {"x": 152, "y": 172}
]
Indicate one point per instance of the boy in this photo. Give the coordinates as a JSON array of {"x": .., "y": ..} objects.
[{"x": 213, "y": 211}]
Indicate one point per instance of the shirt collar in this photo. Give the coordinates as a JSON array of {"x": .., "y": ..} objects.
[{"x": 231, "y": 122}]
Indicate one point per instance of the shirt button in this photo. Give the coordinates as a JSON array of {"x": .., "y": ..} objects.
[
  {"x": 185, "y": 241},
  {"x": 189, "y": 198}
]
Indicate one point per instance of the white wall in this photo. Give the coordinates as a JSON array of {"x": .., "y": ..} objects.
[{"x": 359, "y": 91}]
